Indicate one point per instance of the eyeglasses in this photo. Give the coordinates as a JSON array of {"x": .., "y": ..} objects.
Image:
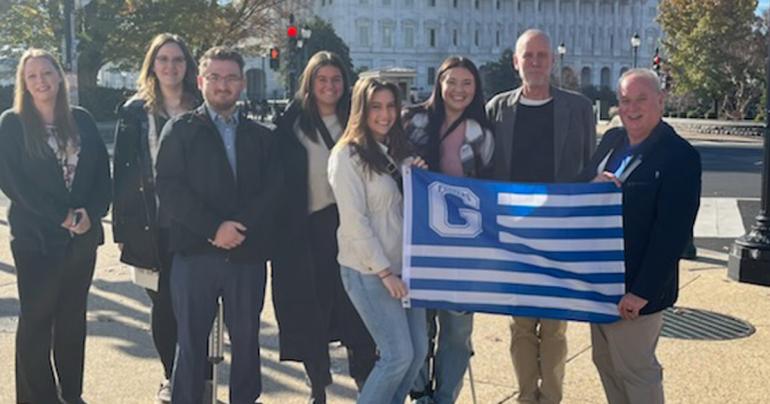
[
  {"x": 215, "y": 79},
  {"x": 166, "y": 60}
]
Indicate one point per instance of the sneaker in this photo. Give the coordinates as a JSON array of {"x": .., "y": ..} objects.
[{"x": 164, "y": 393}]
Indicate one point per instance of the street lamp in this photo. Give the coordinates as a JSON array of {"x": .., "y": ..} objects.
[
  {"x": 749, "y": 259},
  {"x": 561, "y": 50},
  {"x": 635, "y": 43}
]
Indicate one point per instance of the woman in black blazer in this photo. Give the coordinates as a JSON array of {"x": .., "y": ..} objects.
[
  {"x": 55, "y": 170},
  {"x": 312, "y": 307},
  {"x": 167, "y": 88}
]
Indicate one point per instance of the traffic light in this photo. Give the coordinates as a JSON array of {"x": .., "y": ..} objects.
[
  {"x": 275, "y": 58},
  {"x": 656, "y": 62},
  {"x": 292, "y": 31}
]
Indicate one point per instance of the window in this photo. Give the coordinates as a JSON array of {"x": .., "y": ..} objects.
[
  {"x": 432, "y": 3},
  {"x": 498, "y": 4},
  {"x": 476, "y": 38},
  {"x": 612, "y": 42},
  {"x": 387, "y": 36},
  {"x": 497, "y": 38},
  {"x": 432, "y": 37},
  {"x": 323, "y": 3},
  {"x": 409, "y": 37},
  {"x": 476, "y": 4},
  {"x": 363, "y": 35},
  {"x": 409, "y": 3},
  {"x": 454, "y": 3},
  {"x": 431, "y": 75},
  {"x": 385, "y": 2},
  {"x": 454, "y": 37}
]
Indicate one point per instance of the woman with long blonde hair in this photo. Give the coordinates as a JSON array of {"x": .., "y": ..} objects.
[
  {"x": 167, "y": 88},
  {"x": 55, "y": 170},
  {"x": 364, "y": 172}
]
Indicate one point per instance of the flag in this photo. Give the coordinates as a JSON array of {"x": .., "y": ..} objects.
[{"x": 533, "y": 250}]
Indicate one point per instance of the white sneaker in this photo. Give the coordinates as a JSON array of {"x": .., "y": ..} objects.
[{"x": 164, "y": 393}]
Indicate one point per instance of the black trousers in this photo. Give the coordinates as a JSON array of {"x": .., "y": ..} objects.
[
  {"x": 339, "y": 316},
  {"x": 162, "y": 320},
  {"x": 53, "y": 291}
]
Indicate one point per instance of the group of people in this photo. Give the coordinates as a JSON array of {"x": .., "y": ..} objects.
[{"x": 205, "y": 196}]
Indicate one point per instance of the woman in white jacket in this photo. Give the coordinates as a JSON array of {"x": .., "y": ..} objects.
[{"x": 365, "y": 178}]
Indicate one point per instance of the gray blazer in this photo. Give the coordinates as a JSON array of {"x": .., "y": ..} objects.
[{"x": 574, "y": 132}]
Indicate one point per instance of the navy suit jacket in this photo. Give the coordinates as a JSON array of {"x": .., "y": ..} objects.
[{"x": 660, "y": 201}]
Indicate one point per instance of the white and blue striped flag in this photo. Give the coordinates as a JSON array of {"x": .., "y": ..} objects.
[{"x": 533, "y": 250}]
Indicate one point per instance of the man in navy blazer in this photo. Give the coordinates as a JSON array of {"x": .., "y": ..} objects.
[{"x": 660, "y": 174}]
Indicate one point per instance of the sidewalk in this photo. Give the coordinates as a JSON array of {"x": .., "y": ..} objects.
[{"x": 122, "y": 368}]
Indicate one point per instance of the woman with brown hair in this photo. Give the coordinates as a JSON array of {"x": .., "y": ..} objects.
[
  {"x": 451, "y": 131},
  {"x": 167, "y": 87},
  {"x": 306, "y": 283},
  {"x": 55, "y": 170},
  {"x": 364, "y": 172}
]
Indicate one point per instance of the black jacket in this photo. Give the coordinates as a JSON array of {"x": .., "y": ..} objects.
[
  {"x": 660, "y": 201},
  {"x": 134, "y": 209},
  {"x": 305, "y": 329},
  {"x": 40, "y": 200},
  {"x": 198, "y": 191}
]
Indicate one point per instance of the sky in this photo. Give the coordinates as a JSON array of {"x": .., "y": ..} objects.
[{"x": 763, "y": 4}]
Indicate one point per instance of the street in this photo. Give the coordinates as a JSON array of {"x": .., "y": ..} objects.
[{"x": 730, "y": 194}]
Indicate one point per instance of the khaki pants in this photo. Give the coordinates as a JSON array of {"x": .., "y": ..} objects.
[
  {"x": 624, "y": 355},
  {"x": 538, "y": 353}
]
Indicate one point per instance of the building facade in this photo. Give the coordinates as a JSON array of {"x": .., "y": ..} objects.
[{"x": 419, "y": 34}]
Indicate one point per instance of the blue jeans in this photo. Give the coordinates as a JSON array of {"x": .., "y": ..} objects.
[
  {"x": 400, "y": 335},
  {"x": 452, "y": 353}
]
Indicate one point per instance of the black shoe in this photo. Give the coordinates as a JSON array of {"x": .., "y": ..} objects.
[
  {"x": 317, "y": 398},
  {"x": 359, "y": 384},
  {"x": 690, "y": 252}
]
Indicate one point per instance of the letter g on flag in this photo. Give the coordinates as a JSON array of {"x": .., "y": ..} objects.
[{"x": 438, "y": 211}]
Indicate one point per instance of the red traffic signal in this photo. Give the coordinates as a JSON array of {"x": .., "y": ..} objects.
[
  {"x": 292, "y": 32},
  {"x": 275, "y": 58}
]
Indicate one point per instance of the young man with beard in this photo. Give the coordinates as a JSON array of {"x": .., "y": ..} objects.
[{"x": 218, "y": 183}]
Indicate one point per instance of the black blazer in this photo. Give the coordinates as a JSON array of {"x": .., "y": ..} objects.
[
  {"x": 660, "y": 201},
  {"x": 198, "y": 191},
  {"x": 40, "y": 200}
]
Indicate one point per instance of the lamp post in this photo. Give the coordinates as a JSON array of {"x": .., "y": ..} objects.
[
  {"x": 749, "y": 259},
  {"x": 635, "y": 43},
  {"x": 561, "y": 50}
]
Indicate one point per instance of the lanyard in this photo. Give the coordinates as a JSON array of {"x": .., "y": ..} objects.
[{"x": 626, "y": 167}]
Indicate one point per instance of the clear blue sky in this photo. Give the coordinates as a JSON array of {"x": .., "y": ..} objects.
[{"x": 763, "y": 4}]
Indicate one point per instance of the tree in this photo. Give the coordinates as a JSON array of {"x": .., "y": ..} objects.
[
  {"x": 716, "y": 50},
  {"x": 117, "y": 31},
  {"x": 323, "y": 38},
  {"x": 500, "y": 75}
]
